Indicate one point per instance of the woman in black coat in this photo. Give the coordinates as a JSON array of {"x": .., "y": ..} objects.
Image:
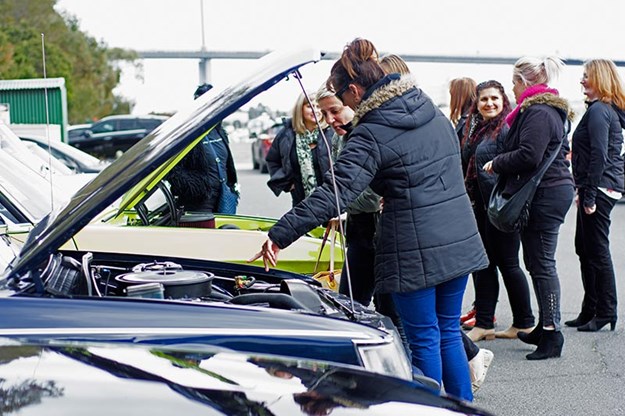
[
  {"x": 482, "y": 141},
  {"x": 405, "y": 149},
  {"x": 537, "y": 129},
  {"x": 298, "y": 158},
  {"x": 598, "y": 173}
]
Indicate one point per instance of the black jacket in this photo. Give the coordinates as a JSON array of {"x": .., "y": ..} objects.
[
  {"x": 407, "y": 151},
  {"x": 284, "y": 169},
  {"x": 597, "y": 146},
  {"x": 536, "y": 132},
  {"x": 193, "y": 184},
  {"x": 487, "y": 149}
]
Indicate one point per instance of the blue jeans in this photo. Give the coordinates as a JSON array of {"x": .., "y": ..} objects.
[{"x": 430, "y": 319}]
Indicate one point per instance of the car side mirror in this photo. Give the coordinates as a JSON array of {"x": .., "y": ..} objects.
[{"x": 87, "y": 133}]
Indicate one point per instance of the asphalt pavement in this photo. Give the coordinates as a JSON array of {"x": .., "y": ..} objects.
[{"x": 589, "y": 377}]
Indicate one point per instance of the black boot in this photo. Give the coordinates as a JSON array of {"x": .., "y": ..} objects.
[
  {"x": 549, "y": 346},
  {"x": 532, "y": 337},
  {"x": 595, "y": 324},
  {"x": 582, "y": 319}
]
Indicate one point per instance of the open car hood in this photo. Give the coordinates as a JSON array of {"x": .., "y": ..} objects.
[{"x": 151, "y": 158}]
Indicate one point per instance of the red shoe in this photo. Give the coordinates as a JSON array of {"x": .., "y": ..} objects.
[
  {"x": 467, "y": 316},
  {"x": 470, "y": 323}
]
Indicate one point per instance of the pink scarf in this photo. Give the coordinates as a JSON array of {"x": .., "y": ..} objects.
[{"x": 529, "y": 92}]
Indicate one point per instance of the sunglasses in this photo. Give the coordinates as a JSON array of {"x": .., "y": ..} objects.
[{"x": 339, "y": 93}]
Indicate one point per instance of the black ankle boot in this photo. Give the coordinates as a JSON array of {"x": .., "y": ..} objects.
[
  {"x": 582, "y": 319},
  {"x": 531, "y": 337},
  {"x": 549, "y": 346},
  {"x": 595, "y": 324}
]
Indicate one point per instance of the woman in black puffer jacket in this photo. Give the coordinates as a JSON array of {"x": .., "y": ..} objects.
[
  {"x": 298, "y": 158},
  {"x": 483, "y": 140},
  {"x": 427, "y": 243},
  {"x": 537, "y": 129},
  {"x": 598, "y": 173}
]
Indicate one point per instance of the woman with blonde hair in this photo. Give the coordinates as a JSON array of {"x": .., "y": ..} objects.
[
  {"x": 462, "y": 97},
  {"x": 538, "y": 127},
  {"x": 392, "y": 63},
  {"x": 598, "y": 172},
  {"x": 298, "y": 159}
]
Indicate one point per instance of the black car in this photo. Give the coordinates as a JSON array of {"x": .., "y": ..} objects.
[
  {"x": 81, "y": 378},
  {"x": 113, "y": 135}
]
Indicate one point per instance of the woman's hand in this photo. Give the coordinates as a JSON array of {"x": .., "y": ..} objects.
[
  {"x": 590, "y": 210},
  {"x": 269, "y": 252},
  {"x": 488, "y": 167}
]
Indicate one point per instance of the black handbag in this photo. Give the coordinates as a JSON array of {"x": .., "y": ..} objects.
[{"x": 509, "y": 213}]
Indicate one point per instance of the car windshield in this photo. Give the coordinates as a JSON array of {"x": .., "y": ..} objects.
[{"x": 59, "y": 149}]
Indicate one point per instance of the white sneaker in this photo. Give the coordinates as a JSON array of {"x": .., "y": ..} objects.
[{"x": 478, "y": 367}]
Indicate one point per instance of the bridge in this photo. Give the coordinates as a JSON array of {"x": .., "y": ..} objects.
[{"x": 205, "y": 57}]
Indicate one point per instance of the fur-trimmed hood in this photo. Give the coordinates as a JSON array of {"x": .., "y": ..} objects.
[
  {"x": 552, "y": 100},
  {"x": 387, "y": 91}
]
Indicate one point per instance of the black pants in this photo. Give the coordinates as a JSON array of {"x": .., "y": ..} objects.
[
  {"x": 503, "y": 254},
  {"x": 359, "y": 235},
  {"x": 592, "y": 245},
  {"x": 540, "y": 240}
]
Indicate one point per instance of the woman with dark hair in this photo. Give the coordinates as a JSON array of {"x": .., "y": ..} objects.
[
  {"x": 462, "y": 98},
  {"x": 598, "y": 173},
  {"x": 298, "y": 158},
  {"x": 483, "y": 140},
  {"x": 405, "y": 149},
  {"x": 538, "y": 128}
]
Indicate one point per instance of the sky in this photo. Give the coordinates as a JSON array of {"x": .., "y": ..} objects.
[{"x": 565, "y": 28}]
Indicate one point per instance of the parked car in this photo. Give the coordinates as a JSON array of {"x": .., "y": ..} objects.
[
  {"x": 62, "y": 295},
  {"x": 102, "y": 379},
  {"x": 113, "y": 135},
  {"x": 41, "y": 163},
  {"x": 260, "y": 146},
  {"x": 72, "y": 157},
  {"x": 28, "y": 198},
  {"x": 77, "y": 130}
]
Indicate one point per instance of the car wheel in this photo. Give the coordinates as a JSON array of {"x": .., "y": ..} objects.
[{"x": 264, "y": 168}]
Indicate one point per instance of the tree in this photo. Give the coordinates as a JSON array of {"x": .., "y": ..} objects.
[{"x": 88, "y": 66}]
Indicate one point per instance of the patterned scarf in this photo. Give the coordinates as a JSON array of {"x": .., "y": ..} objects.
[
  {"x": 529, "y": 92},
  {"x": 479, "y": 130},
  {"x": 304, "y": 153}
]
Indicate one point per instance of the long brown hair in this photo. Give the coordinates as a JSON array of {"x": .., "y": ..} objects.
[
  {"x": 492, "y": 127},
  {"x": 462, "y": 92},
  {"x": 604, "y": 78},
  {"x": 358, "y": 64}
]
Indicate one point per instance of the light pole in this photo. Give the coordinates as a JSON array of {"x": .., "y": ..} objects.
[{"x": 205, "y": 63}]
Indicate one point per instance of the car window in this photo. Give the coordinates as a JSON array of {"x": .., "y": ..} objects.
[
  {"x": 104, "y": 126},
  {"x": 149, "y": 123},
  {"x": 128, "y": 124}
]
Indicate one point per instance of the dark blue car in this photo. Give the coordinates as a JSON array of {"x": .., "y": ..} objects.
[
  {"x": 106, "y": 379},
  {"x": 47, "y": 293}
]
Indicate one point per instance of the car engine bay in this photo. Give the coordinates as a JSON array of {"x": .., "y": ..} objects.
[{"x": 80, "y": 275}]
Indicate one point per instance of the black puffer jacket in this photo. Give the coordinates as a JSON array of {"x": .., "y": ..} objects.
[
  {"x": 485, "y": 151},
  {"x": 195, "y": 179},
  {"x": 407, "y": 150},
  {"x": 535, "y": 132},
  {"x": 597, "y": 146},
  {"x": 284, "y": 170}
]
